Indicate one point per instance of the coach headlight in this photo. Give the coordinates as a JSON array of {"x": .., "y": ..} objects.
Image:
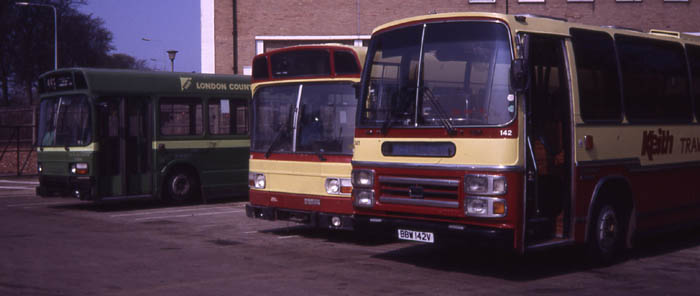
[
  {"x": 489, "y": 207},
  {"x": 256, "y": 180},
  {"x": 363, "y": 198},
  {"x": 338, "y": 186},
  {"x": 485, "y": 184},
  {"x": 39, "y": 167},
  {"x": 363, "y": 178}
]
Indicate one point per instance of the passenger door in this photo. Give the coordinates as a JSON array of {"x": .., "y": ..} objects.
[
  {"x": 548, "y": 142},
  {"x": 125, "y": 154}
]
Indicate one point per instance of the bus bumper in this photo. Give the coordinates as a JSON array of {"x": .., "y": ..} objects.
[
  {"x": 78, "y": 187},
  {"x": 315, "y": 219},
  {"x": 443, "y": 232}
]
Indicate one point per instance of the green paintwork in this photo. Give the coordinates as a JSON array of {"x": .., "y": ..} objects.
[{"x": 221, "y": 161}]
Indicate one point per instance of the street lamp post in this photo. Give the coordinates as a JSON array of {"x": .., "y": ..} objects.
[
  {"x": 171, "y": 56},
  {"x": 55, "y": 28}
]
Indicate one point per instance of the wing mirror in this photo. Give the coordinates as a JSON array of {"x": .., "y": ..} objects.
[{"x": 519, "y": 75}]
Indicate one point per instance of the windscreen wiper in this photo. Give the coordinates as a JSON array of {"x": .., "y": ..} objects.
[
  {"x": 387, "y": 124},
  {"x": 403, "y": 105},
  {"x": 442, "y": 116},
  {"x": 283, "y": 131},
  {"x": 319, "y": 153}
]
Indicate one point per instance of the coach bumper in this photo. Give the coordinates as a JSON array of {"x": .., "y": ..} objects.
[
  {"x": 315, "y": 219},
  {"x": 442, "y": 231}
]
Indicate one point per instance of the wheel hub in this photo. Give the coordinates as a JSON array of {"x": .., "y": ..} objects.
[
  {"x": 607, "y": 229},
  {"x": 180, "y": 185}
]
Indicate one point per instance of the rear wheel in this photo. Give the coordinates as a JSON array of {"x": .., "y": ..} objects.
[
  {"x": 181, "y": 186},
  {"x": 607, "y": 234}
]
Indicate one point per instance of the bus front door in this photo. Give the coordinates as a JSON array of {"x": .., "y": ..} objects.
[
  {"x": 124, "y": 167},
  {"x": 548, "y": 143}
]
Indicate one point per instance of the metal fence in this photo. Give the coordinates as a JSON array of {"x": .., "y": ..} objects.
[{"x": 17, "y": 141}]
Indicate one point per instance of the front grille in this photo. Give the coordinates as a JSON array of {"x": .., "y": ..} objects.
[
  {"x": 443, "y": 193},
  {"x": 54, "y": 182}
]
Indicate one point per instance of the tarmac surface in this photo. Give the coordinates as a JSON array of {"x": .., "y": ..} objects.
[{"x": 63, "y": 246}]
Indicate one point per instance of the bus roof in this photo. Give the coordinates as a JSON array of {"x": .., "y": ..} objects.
[
  {"x": 360, "y": 50},
  {"x": 105, "y": 81},
  {"x": 264, "y": 65},
  {"x": 540, "y": 24}
]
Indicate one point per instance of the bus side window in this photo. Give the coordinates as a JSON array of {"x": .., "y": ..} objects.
[
  {"x": 228, "y": 117},
  {"x": 181, "y": 116}
]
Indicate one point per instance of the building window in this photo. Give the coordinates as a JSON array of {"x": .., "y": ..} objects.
[{"x": 266, "y": 43}]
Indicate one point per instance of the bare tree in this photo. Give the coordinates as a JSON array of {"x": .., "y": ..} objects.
[{"x": 26, "y": 44}]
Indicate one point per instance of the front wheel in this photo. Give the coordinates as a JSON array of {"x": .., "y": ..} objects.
[
  {"x": 607, "y": 234},
  {"x": 182, "y": 186}
]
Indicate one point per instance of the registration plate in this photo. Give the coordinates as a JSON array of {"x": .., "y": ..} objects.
[{"x": 419, "y": 236}]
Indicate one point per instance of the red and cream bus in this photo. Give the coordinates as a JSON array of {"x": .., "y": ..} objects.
[
  {"x": 303, "y": 122},
  {"x": 528, "y": 131}
]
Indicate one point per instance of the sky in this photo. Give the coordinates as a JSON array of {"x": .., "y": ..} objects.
[{"x": 168, "y": 24}]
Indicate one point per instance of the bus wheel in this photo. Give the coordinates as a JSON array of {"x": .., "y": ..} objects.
[
  {"x": 182, "y": 186},
  {"x": 607, "y": 234}
]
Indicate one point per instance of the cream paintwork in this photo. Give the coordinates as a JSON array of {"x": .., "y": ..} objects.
[
  {"x": 625, "y": 142},
  {"x": 172, "y": 144},
  {"x": 89, "y": 148},
  {"x": 299, "y": 177},
  {"x": 478, "y": 152},
  {"x": 199, "y": 144}
]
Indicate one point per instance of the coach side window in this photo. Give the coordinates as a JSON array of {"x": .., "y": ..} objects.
[
  {"x": 598, "y": 79},
  {"x": 181, "y": 116},
  {"x": 694, "y": 61},
  {"x": 654, "y": 80},
  {"x": 228, "y": 117}
]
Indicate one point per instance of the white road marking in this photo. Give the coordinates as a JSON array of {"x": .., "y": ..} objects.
[
  {"x": 285, "y": 237},
  {"x": 41, "y": 204},
  {"x": 17, "y": 196},
  {"x": 168, "y": 211},
  {"x": 249, "y": 232},
  {"x": 20, "y": 182},
  {"x": 16, "y": 187},
  {"x": 187, "y": 215}
]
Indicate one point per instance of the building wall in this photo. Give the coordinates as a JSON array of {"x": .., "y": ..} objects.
[{"x": 279, "y": 18}]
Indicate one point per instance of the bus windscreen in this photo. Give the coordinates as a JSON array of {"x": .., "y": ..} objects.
[
  {"x": 454, "y": 72},
  {"x": 323, "y": 122},
  {"x": 65, "y": 121}
]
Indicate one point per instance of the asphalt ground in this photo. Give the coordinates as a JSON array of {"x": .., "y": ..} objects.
[{"x": 62, "y": 246}]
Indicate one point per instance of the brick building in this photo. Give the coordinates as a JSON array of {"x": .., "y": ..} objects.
[{"x": 233, "y": 31}]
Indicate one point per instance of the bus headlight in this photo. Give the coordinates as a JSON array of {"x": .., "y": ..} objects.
[
  {"x": 338, "y": 186},
  {"x": 363, "y": 178},
  {"x": 485, "y": 184},
  {"x": 80, "y": 168},
  {"x": 256, "y": 180},
  {"x": 363, "y": 198},
  {"x": 490, "y": 207},
  {"x": 39, "y": 167}
]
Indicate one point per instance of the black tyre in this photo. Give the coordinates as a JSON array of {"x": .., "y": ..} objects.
[
  {"x": 181, "y": 186},
  {"x": 607, "y": 234}
]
